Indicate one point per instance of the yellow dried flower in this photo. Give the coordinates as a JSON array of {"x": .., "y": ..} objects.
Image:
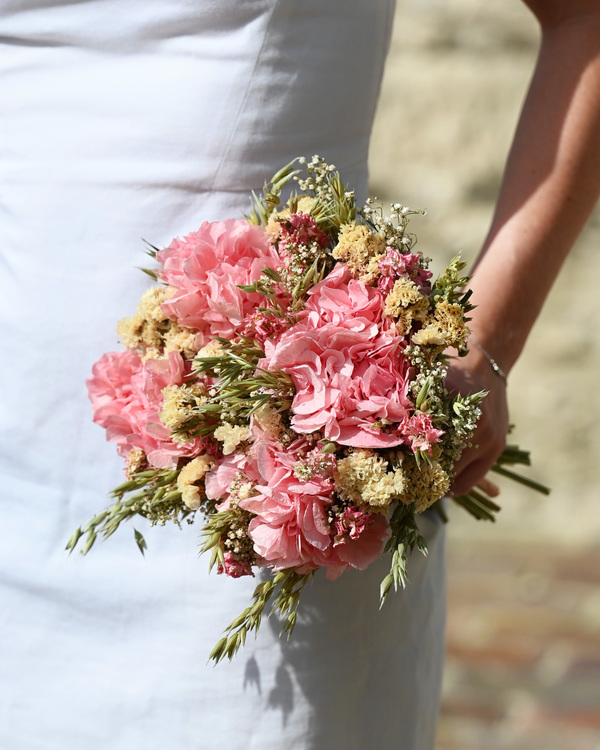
[
  {"x": 149, "y": 306},
  {"x": 182, "y": 340},
  {"x": 130, "y": 331},
  {"x": 360, "y": 249},
  {"x": 451, "y": 322},
  {"x": 363, "y": 478},
  {"x": 430, "y": 336},
  {"x": 214, "y": 348},
  {"x": 136, "y": 460},
  {"x": 178, "y": 405},
  {"x": 190, "y": 480},
  {"x": 406, "y": 303},
  {"x": 273, "y": 228},
  {"x": 445, "y": 328},
  {"x": 424, "y": 485},
  {"x": 268, "y": 419},
  {"x": 231, "y": 436},
  {"x": 150, "y": 329}
]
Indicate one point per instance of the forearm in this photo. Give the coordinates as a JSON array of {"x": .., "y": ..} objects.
[{"x": 551, "y": 184}]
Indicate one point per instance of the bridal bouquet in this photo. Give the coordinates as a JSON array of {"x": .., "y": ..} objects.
[{"x": 285, "y": 383}]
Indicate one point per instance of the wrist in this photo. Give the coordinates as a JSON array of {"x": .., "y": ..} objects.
[{"x": 487, "y": 357}]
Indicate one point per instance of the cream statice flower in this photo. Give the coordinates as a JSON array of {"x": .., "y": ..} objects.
[
  {"x": 231, "y": 436},
  {"x": 178, "y": 405},
  {"x": 424, "y": 484},
  {"x": 445, "y": 328},
  {"x": 190, "y": 480},
  {"x": 268, "y": 419},
  {"x": 151, "y": 330},
  {"x": 360, "y": 250},
  {"x": 214, "y": 348},
  {"x": 405, "y": 303},
  {"x": 364, "y": 478}
]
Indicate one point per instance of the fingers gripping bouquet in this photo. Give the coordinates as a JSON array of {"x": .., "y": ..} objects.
[{"x": 285, "y": 383}]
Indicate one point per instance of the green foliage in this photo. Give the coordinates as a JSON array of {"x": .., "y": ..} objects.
[
  {"x": 155, "y": 497},
  {"x": 450, "y": 285},
  {"x": 404, "y": 538},
  {"x": 286, "y": 586},
  {"x": 263, "y": 207},
  {"x": 241, "y": 388},
  {"x": 483, "y": 508}
]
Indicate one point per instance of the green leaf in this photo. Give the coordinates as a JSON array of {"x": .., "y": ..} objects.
[{"x": 140, "y": 541}]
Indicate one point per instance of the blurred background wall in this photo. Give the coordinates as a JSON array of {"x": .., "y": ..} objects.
[{"x": 524, "y": 595}]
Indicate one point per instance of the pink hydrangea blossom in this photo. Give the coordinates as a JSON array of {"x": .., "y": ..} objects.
[
  {"x": 396, "y": 264},
  {"x": 346, "y": 382},
  {"x": 419, "y": 432},
  {"x": 126, "y": 396},
  {"x": 206, "y": 267}
]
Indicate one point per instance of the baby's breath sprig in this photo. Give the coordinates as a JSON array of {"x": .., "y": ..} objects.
[
  {"x": 405, "y": 537},
  {"x": 289, "y": 585},
  {"x": 334, "y": 203},
  {"x": 156, "y": 497},
  {"x": 393, "y": 228},
  {"x": 224, "y": 529}
]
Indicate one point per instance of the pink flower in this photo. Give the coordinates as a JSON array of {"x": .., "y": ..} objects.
[
  {"x": 233, "y": 567},
  {"x": 419, "y": 432},
  {"x": 346, "y": 381},
  {"x": 220, "y": 477},
  {"x": 206, "y": 267},
  {"x": 301, "y": 229},
  {"x": 359, "y": 536},
  {"x": 261, "y": 326},
  {"x": 126, "y": 396},
  {"x": 396, "y": 264},
  {"x": 344, "y": 301},
  {"x": 291, "y": 526}
]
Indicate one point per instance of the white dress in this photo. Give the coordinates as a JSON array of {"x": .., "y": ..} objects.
[{"x": 123, "y": 120}]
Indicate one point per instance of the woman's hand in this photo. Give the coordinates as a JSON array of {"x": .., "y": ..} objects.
[{"x": 471, "y": 374}]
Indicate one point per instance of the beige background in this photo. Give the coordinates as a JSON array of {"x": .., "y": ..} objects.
[
  {"x": 523, "y": 666},
  {"x": 455, "y": 81}
]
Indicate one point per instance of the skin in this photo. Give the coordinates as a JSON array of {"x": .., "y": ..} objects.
[{"x": 551, "y": 184}]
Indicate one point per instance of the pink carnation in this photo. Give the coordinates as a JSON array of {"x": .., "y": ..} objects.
[
  {"x": 206, "y": 266},
  {"x": 344, "y": 301},
  {"x": 353, "y": 525},
  {"x": 291, "y": 526},
  {"x": 345, "y": 382},
  {"x": 126, "y": 396}
]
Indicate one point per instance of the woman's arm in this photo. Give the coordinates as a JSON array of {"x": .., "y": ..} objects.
[{"x": 551, "y": 184}]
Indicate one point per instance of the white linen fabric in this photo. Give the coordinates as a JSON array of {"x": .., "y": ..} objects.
[{"x": 143, "y": 118}]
